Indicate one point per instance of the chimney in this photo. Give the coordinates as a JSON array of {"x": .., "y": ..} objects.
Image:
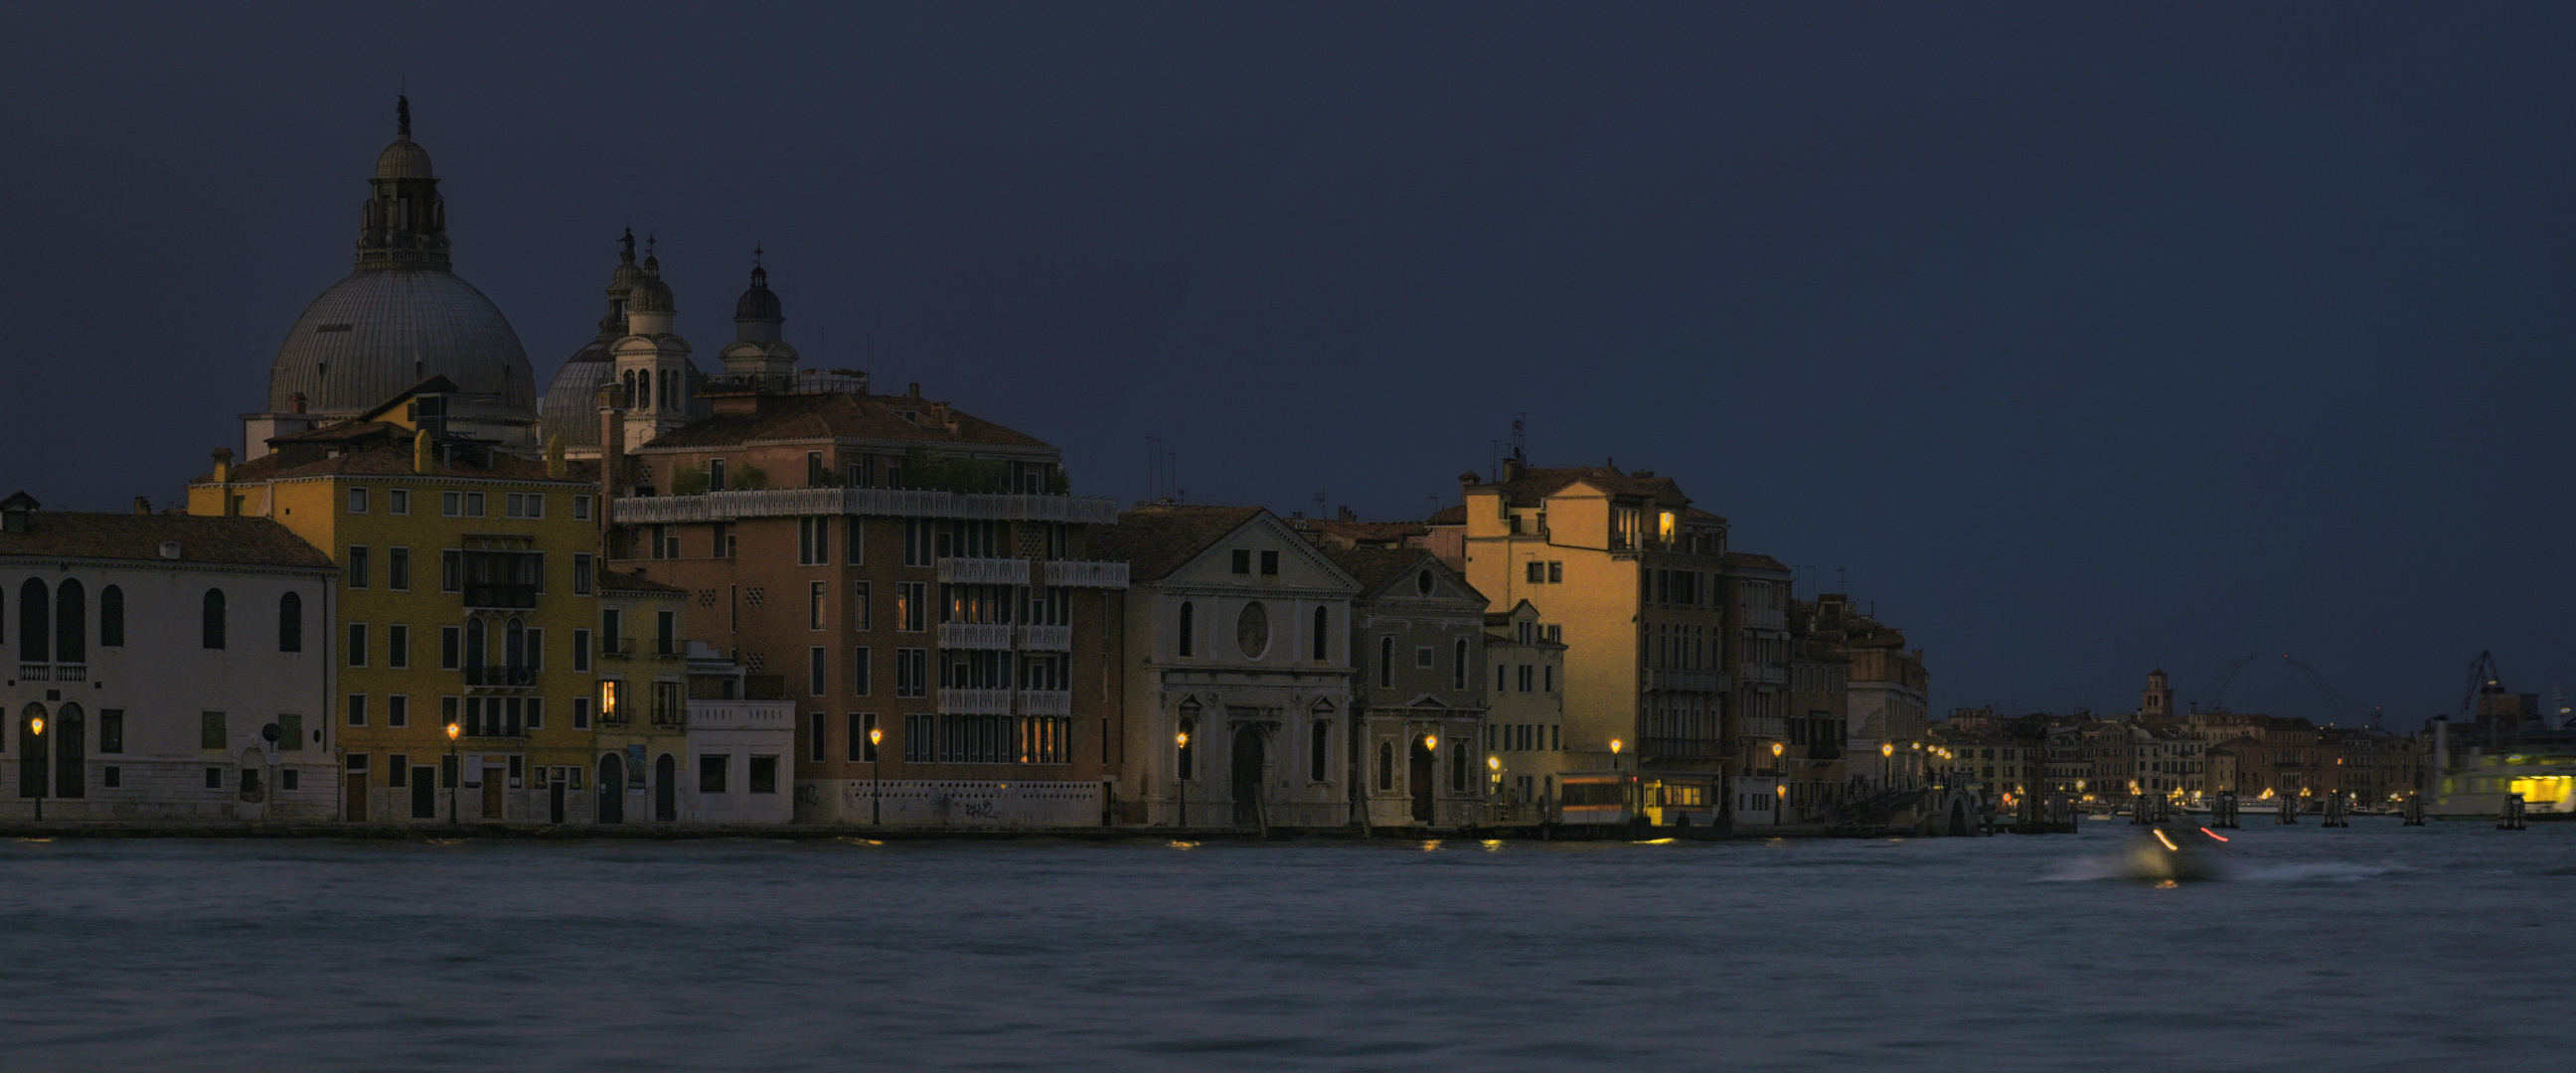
[
  {"x": 142, "y": 505},
  {"x": 223, "y": 465},
  {"x": 1350, "y": 515},
  {"x": 916, "y": 389}
]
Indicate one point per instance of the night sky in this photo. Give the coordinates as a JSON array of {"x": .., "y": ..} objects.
[{"x": 2077, "y": 339}]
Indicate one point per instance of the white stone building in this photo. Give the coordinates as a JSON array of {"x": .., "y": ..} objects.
[{"x": 155, "y": 654}]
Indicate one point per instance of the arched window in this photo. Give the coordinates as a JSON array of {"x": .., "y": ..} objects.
[
  {"x": 644, "y": 380},
  {"x": 1386, "y": 660},
  {"x": 111, "y": 617},
  {"x": 71, "y": 622},
  {"x": 1461, "y": 763},
  {"x": 1323, "y": 634},
  {"x": 1386, "y": 765},
  {"x": 290, "y": 623},
  {"x": 473, "y": 644},
  {"x": 1320, "y": 762},
  {"x": 1186, "y": 648},
  {"x": 212, "y": 630},
  {"x": 35, "y": 623},
  {"x": 1458, "y": 666},
  {"x": 515, "y": 644}
]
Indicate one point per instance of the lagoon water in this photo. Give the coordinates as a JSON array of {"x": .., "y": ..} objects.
[{"x": 2381, "y": 947}]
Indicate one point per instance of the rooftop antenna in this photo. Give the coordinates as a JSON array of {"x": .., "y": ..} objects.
[
  {"x": 1319, "y": 504},
  {"x": 1493, "y": 460},
  {"x": 1520, "y": 426}
]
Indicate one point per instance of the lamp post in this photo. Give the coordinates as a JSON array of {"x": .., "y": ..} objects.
[
  {"x": 1779, "y": 783},
  {"x": 1887, "y": 765},
  {"x": 36, "y": 729},
  {"x": 1181, "y": 754},
  {"x": 459, "y": 772},
  {"x": 1623, "y": 787},
  {"x": 876, "y": 775}
]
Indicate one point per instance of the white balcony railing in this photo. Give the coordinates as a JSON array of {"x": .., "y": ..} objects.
[
  {"x": 984, "y": 571},
  {"x": 1087, "y": 575},
  {"x": 742, "y": 714},
  {"x": 885, "y": 502},
  {"x": 1759, "y": 619},
  {"x": 1685, "y": 681},
  {"x": 1047, "y": 638},
  {"x": 974, "y": 635},
  {"x": 974, "y": 701},
  {"x": 1046, "y": 702}
]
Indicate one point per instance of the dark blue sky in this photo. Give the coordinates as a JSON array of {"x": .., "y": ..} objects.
[{"x": 2081, "y": 338}]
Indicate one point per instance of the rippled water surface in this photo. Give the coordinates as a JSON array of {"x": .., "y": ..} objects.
[{"x": 2377, "y": 948}]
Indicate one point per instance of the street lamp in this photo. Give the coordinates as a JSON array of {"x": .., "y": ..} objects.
[
  {"x": 36, "y": 729},
  {"x": 1181, "y": 747},
  {"x": 1887, "y": 765},
  {"x": 876, "y": 775},
  {"x": 458, "y": 772},
  {"x": 1779, "y": 785}
]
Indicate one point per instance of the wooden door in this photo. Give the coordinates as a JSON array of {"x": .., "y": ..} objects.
[
  {"x": 495, "y": 799},
  {"x": 424, "y": 793},
  {"x": 353, "y": 805},
  {"x": 555, "y": 800}
]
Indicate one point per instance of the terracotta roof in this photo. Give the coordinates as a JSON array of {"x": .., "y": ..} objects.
[
  {"x": 621, "y": 581},
  {"x": 1532, "y": 487},
  {"x": 1154, "y": 541},
  {"x": 228, "y": 541},
  {"x": 394, "y": 460},
  {"x": 1453, "y": 514},
  {"x": 1697, "y": 515},
  {"x": 839, "y": 415},
  {"x": 1754, "y": 561}
]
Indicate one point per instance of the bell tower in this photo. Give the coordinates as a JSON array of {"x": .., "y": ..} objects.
[
  {"x": 2157, "y": 701},
  {"x": 652, "y": 361}
]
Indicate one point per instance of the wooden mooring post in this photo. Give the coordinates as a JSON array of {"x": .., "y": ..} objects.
[
  {"x": 2222, "y": 810},
  {"x": 2289, "y": 808},
  {"x": 2414, "y": 810},
  {"x": 2510, "y": 817},
  {"x": 2335, "y": 815}
]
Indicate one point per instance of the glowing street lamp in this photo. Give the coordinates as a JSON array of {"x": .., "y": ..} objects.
[
  {"x": 876, "y": 776},
  {"x": 1887, "y": 757},
  {"x": 1181, "y": 750},
  {"x": 459, "y": 772},
  {"x": 36, "y": 729}
]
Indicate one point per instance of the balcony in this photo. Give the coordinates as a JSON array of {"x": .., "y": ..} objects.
[
  {"x": 617, "y": 647},
  {"x": 1086, "y": 575},
  {"x": 1685, "y": 681},
  {"x": 495, "y": 595},
  {"x": 671, "y": 717},
  {"x": 880, "y": 502},
  {"x": 53, "y": 672},
  {"x": 1763, "y": 673},
  {"x": 983, "y": 635},
  {"x": 974, "y": 701},
  {"x": 1046, "y": 638},
  {"x": 501, "y": 677},
  {"x": 1047, "y": 702},
  {"x": 1759, "y": 619},
  {"x": 984, "y": 571},
  {"x": 742, "y": 714}
]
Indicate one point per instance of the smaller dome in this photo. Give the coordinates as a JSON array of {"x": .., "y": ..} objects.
[
  {"x": 758, "y": 303},
  {"x": 404, "y": 159},
  {"x": 650, "y": 295},
  {"x": 625, "y": 276}
]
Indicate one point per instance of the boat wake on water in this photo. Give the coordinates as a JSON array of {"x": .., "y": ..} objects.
[{"x": 2173, "y": 854}]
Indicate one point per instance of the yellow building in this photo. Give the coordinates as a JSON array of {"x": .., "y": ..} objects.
[
  {"x": 1629, "y": 578},
  {"x": 468, "y": 600}
]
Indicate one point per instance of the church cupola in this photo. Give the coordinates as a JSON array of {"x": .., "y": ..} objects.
[
  {"x": 757, "y": 315},
  {"x": 404, "y": 225},
  {"x": 649, "y": 304}
]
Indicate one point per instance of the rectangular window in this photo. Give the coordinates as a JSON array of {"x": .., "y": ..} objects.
[
  {"x": 581, "y": 713},
  {"x": 398, "y": 569},
  {"x": 536, "y": 649},
  {"x": 814, "y": 541},
  {"x": 526, "y": 505},
  {"x": 210, "y": 731},
  {"x": 764, "y": 774},
  {"x": 357, "y": 501},
  {"x": 814, "y": 671},
  {"x": 1422, "y": 658},
  {"x": 912, "y": 606},
  {"x": 1528, "y": 677},
  {"x": 447, "y": 713},
  {"x": 397, "y": 501},
  {"x": 715, "y": 475},
  {"x": 859, "y": 612},
  {"x": 357, "y": 709},
  {"x": 1537, "y": 572},
  {"x": 398, "y": 769},
  {"x": 721, "y": 540},
  {"x": 1555, "y": 572},
  {"x": 814, "y": 472},
  {"x": 536, "y": 713},
  {"x": 290, "y": 732},
  {"x": 1270, "y": 564},
  {"x": 912, "y": 672},
  {"x": 1242, "y": 561},
  {"x": 111, "y": 776},
  {"x": 666, "y": 633},
  {"x": 451, "y": 571},
  {"x": 581, "y": 508},
  {"x": 357, "y": 566},
  {"x": 111, "y": 730},
  {"x": 1549, "y": 672},
  {"x": 357, "y": 644},
  {"x": 858, "y": 726},
  {"x": 858, "y": 551},
  {"x": 920, "y": 738},
  {"x": 451, "y": 643},
  {"x": 214, "y": 778},
  {"x": 711, "y": 772},
  {"x": 398, "y": 710},
  {"x": 581, "y": 650},
  {"x": 581, "y": 573},
  {"x": 611, "y": 631},
  {"x": 814, "y": 605},
  {"x": 859, "y": 671},
  {"x": 818, "y": 746},
  {"x": 916, "y": 541}
]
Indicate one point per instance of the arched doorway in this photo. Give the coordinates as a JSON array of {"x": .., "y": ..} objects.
[
  {"x": 1421, "y": 771},
  {"x": 666, "y": 788},
  {"x": 612, "y": 789},
  {"x": 1249, "y": 757}
]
